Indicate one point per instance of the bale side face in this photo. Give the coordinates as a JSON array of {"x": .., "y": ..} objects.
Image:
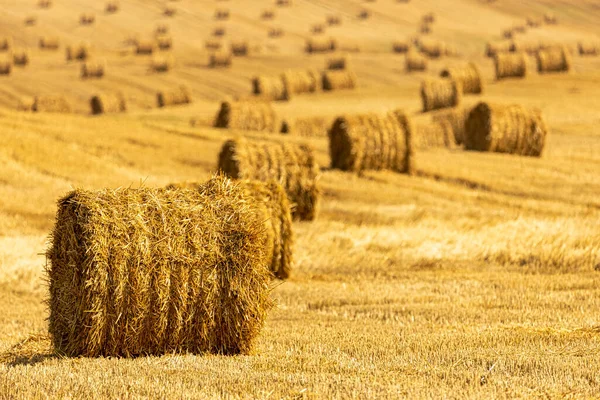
[
  {"x": 469, "y": 77},
  {"x": 108, "y": 103},
  {"x": 440, "y": 93},
  {"x": 179, "y": 96},
  {"x": 270, "y": 88},
  {"x": 506, "y": 129},
  {"x": 320, "y": 45},
  {"x": 50, "y": 103},
  {"x": 553, "y": 60},
  {"x": 247, "y": 115},
  {"x": 297, "y": 82},
  {"x": 128, "y": 278},
  {"x": 338, "y": 80},
  {"x": 510, "y": 65}
]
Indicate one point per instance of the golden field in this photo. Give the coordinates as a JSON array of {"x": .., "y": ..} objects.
[{"x": 475, "y": 277}]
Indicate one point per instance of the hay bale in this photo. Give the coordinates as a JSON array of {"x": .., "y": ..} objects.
[
  {"x": 112, "y": 7},
  {"x": 425, "y": 29},
  {"x": 247, "y": 115},
  {"x": 222, "y": 14},
  {"x": 175, "y": 97},
  {"x": 20, "y": 57},
  {"x": 550, "y": 19},
  {"x": 93, "y": 69},
  {"x": 267, "y": 15},
  {"x": 371, "y": 142},
  {"x": 433, "y": 134},
  {"x": 6, "y": 43},
  {"x": 307, "y": 126},
  {"x": 401, "y": 46},
  {"x": 220, "y": 59},
  {"x": 284, "y": 3},
  {"x": 51, "y": 103},
  {"x": 497, "y": 47},
  {"x": 162, "y": 63},
  {"x": 339, "y": 80},
  {"x": 277, "y": 216},
  {"x": 164, "y": 42},
  {"x": 553, "y": 60},
  {"x": 169, "y": 11},
  {"x": 153, "y": 271},
  {"x": 30, "y": 20},
  {"x": 161, "y": 29},
  {"x": 519, "y": 28},
  {"x": 5, "y": 67},
  {"x": 240, "y": 48},
  {"x": 293, "y": 166},
  {"x": 508, "y": 33},
  {"x": 87, "y": 19},
  {"x": 105, "y": 103},
  {"x": 80, "y": 52},
  {"x": 45, "y": 3},
  {"x": 457, "y": 118},
  {"x": 270, "y": 88},
  {"x": 320, "y": 45},
  {"x": 219, "y": 31},
  {"x": 428, "y": 18},
  {"x": 529, "y": 47},
  {"x": 301, "y": 81},
  {"x": 317, "y": 29},
  {"x": 588, "y": 48},
  {"x": 510, "y": 65},
  {"x": 338, "y": 63},
  {"x": 26, "y": 104},
  {"x": 440, "y": 93},
  {"x": 432, "y": 48},
  {"x": 534, "y": 22},
  {"x": 510, "y": 129},
  {"x": 334, "y": 20},
  {"x": 364, "y": 14},
  {"x": 49, "y": 43},
  {"x": 468, "y": 76},
  {"x": 145, "y": 47},
  {"x": 415, "y": 62},
  {"x": 213, "y": 45},
  {"x": 275, "y": 32}
]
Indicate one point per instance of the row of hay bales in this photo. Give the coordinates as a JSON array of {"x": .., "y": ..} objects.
[
  {"x": 532, "y": 48},
  {"x": 283, "y": 88},
  {"x": 448, "y": 90},
  {"x": 514, "y": 65}
]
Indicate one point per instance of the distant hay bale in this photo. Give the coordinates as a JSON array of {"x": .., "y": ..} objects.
[
  {"x": 425, "y": 29},
  {"x": 497, "y": 47},
  {"x": 30, "y": 20},
  {"x": 268, "y": 15},
  {"x": 80, "y": 52},
  {"x": 534, "y": 22},
  {"x": 338, "y": 63},
  {"x": 339, "y": 80},
  {"x": 415, "y": 62},
  {"x": 364, "y": 14},
  {"x": 307, "y": 126},
  {"x": 222, "y": 14},
  {"x": 93, "y": 69},
  {"x": 271, "y": 198},
  {"x": 510, "y": 129},
  {"x": 301, "y": 81},
  {"x": 5, "y": 67},
  {"x": 553, "y": 60},
  {"x": 270, "y": 88},
  {"x": 20, "y": 57},
  {"x": 334, "y": 20},
  {"x": 588, "y": 48},
  {"x": 6, "y": 43},
  {"x": 111, "y": 7},
  {"x": 510, "y": 65},
  {"x": 137, "y": 272},
  {"x": 240, "y": 48},
  {"x": 457, "y": 118},
  {"x": 293, "y": 166},
  {"x": 433, "y": 134},
  {"x": 87, "y": 19},
  {"x": 161, "y": 30},
  {"x": 283, "y": 3},
  {"x": 175, "y": 97},
  {"x": 169, "y": 11},
  {"x": 106, "y": 103},
  {"x": 317, "y": 29},
  {"x": 247, "y": 116},
  {"x": 440, "y": 93},
  {"x": 372, "y": 142},
  {"x": 45, "y": 3},
  {"x": 401, "y": 46},
  {"x": 275, "y": 32},
  {"x": 432, "y": 48},
  {"x": 468, "y": 76},
  {"x": 220, "y": 59},
  {"x": 320, "y": 45},
  {"x": 428, "y": 18},
  {"x": 520, "y": 28},
  {"x": 164, "y": 42},
  {"x": 219, "y": 31},
  {"x": 25, "y": 104},
  {"x": 529, "y": 47},
  {"x": 49, "y": 43},
  {"x": 550, "y": 19},
  {"x": 213, "y": 45},
  {"x": 145, "y": 47},
  {"x": 51, "y": 103},
  {"x": 162, "y": 63},
  {"x": 508, "y": 33}
]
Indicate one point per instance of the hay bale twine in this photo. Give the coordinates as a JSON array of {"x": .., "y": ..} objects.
[
  {"x": 164, "y": 42},
  {"x": 556, "y": 59},
  {"x": 105, "y": 103},
  {"x": 493, "y": 48},
  {"x": 112, "y": 7},
  {"x": 415, "y": 62},
  {"x": 510, "y": 65},
  {"x": 87, "y": 19},
  {"x": 220, "y": 59},
  {"x": 247, "y": 115},
  {"x": 320, "y": 45},
  {"x": 6, "y": 43},
  {"x": 270, "y": 88},
  {"x": 153, "y": 271},
  {"x": 307, "y": 126},
  {"x": 240, "y": 48},
  {"x": 338, "y": 63},
  {"x": 51, "y": 103},
  {"x": 301, "y": 81},
  {"x": 161, "y": 64},
  {"x": 433, "y": 134},
  {"x": 293, "y": 166},
  {"x": 49, "y": 43},
  {"x": 588, "y": 48},
  {"x": 93, "y": 69},
  {"x": 456, "y": 117},
  {"x": 468, "y": 76},
  {"x": 440, "y": 93},
  {"x": 80, "y": 52},
  {"x": 372, "y": 142},
  {"x": 339, "y": 80},
  {"x": 20, "y": 57},
  {"x": 5, "y": 67},
  {"x": 510, "y": 129},
  {"x": 277, "y": 216},
  {"x": 401, "y": 46},
  {"x": 174, "y": 97}
]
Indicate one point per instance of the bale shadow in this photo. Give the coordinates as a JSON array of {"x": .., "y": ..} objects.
[{"x": 30, "y": 351}]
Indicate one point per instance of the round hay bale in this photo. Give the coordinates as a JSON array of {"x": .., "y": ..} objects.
[
  {"x": 456, "y": 117},
  {"x": 534, "y": 22},
  {"x": 588, "y": 48},
  {"x": 296, "y": 82},
  {"x": 112, "y": 7},
  {"x": 275, "y": 32},
  {"x": 510, "y": 65},
  {"x": 161, "y": 29},
  {"x": 30, "y": 20},
  {"x": 153, "y": 271},
  {"x": 219, "y": 31},
  {"x": 5, "y": 67},
  {"x": 293, "y": 166},
  {"x": 317, "y": 29},
  {"x": 401, "y": 46},
  {"x": 145, "y": 47},
  {"x": 510, "y": 129},
  {"x": 87, "y": 19},
  {"x": 433, "y": 134},
  {"x": 93, "y": 69},
  {"x": 268, "y": 15},
  {"x": 497, "y": 47},
  {"x": 550, "y": 19},
  {"x": 334, "y": 20},
  {"x": 372, "y": 142},
  {"x": 169, "y": 11},
  {"x": 105, "y": 103},
  {"x": 440, "y": 93},
  {"x": 364, "y": 14},
  {"x": 20, "y": 57},
  {"x": 164, "y": 42},
  {"x": 45, "y": 3},
  {"x": 428, "y": 18},
  {"x": 339, "y": 80},
  {"x": 320, "y": 45},
  {"x": 49, "y": 43},
  {"x": 175, "y": 97},
  {"x": 270, "y": 88},
  {"x": 553, "y": 60},
  {"x": 432, "y": 48},
  {"x": 6, "y": 43},
  {"x": 51, "y": 103},
  {"x": 80, "y": 52},
  {"x": 220, "y": 59},
  {"x": 415, "y": 62},
  {"x": 530, "y": 47},
  {"x": 468, "y": 76},
  {"x": 338, "y": 63},
  {"x": 213, "y": 45},
  {"x": 307, "y": 126},
  {"x": 247, "y": 115},
  {"x": 425, "y": 29},
  {"x": 222, "y": 14},
  {"x": 284, "y": 3},
  {"x": 508, "y": 33},
  {"x": 162, "y": 64},
  {"x": 240, "y": 48}
]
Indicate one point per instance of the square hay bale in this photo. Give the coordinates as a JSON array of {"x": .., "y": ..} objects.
[
  {"x": 339, "y": 80},
  {"x": 107, "y": 103},
  {"x": 137, "y": 272},
  {"x": 174, "y": 97},
  {"x": 20, "y": 57},
  {"x": 301, "y": 81},
  {"x": 511, "y": 129},
  {"x": 51, "y": 103},
  {"x": 553, "y": 59},
  {"x": 247, "y": 115},
  {"x": 468, "y": 76},
  {"x": 415, "y": 62},
  {"x": 270, "y": 88},
  {"x": 93, "y": 69},
  {"x": 49, "y": 43},
  {"x": 440, "y": 93},
  {"x": 372, "y": 142},
  {"x": 220, "y": 59},
  {"x": 293, "y": 166},
  {"x": 510, "y": 65}
]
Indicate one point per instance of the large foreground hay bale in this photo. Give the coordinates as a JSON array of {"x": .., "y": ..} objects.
[
  {"x": 588, "y": 48},
  {"x": 371, "y": 141},
  {"x": 6, "y": 43},
  {"x": 51, "y": 103},
  {"x": 338, "y": 63},
  {"x": 105, "y": 103},
  {"x": 93, "y": 69},
  {"x": 301, "y": 81},
  {"x": 339, "y": 80},
  {"x": 506, "y": 129},
  {"x": 415, "y": 62},
  {"x": 20, "y": 57},
  {"x": 5, "y": 67},
  {"x": 270, "y": 88},
  {"x": 456, "y": 117},
  {"x": 553, "y": 60},
  {"x": 510, "y": 65},
  {"x": 293, "y": 166},
  {"x": 220, "y": 59},
  {"x": 247, "y": 115},
  {"x": 493, "y": 48},
  {"x": 433, "y": 134},
  {"x": 49, "y": 43},
  {"x": 79, "y": 52},
  {"x": 468, "y": 76},
  {"x": 320, "y": 45},
  {"x": 278, "y": 220},
  {"x": 307, "y": 126},
  {"x": 174, "y": 97},
  {"x": 440, "y": 93},
  {"x": 156, "y": 271}
]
